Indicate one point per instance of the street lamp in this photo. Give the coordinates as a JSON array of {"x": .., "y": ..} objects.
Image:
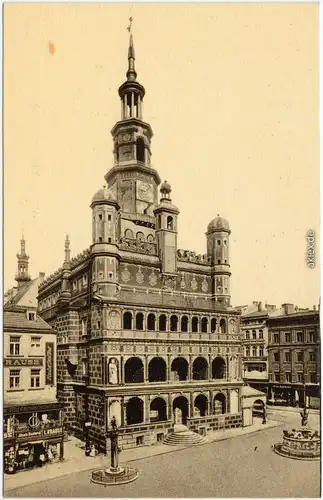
[{"x": 87, "y": 426}]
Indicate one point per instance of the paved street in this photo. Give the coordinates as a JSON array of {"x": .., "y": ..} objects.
[{"x": 241, "y": 467}]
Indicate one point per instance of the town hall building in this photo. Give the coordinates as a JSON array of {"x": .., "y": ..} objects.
[{"x": 145, "y": 330}]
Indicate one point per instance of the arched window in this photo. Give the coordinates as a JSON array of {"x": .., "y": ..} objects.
[
  {"x": 218, "y": 368},
  {"x": 219, "y": 404},
  {"x": 170, "y": 222},
  {"x": 134, "y": 371},
  {"x": 140, "y": 149},
  {"x": 223, "y": 326},
  {"x": 247, "y": 335},
  {"x": 159, "y": 222},
  {"x": 213, "y": 325},
  {"x": 127, "y": 321},
  {"x": 134, "y": 411},
  {"x": 173, "y": 323},
  {"x": 140, "y": 236},
  {"x": 184, "y": 323},
  {"x": 151, "y": 320},
  {"x": 179, "y": 369},
  {"x": 200, "y": 369},
  {"x": 139, "y": 321},
  {"x": 158, "y": 411},
  {"x": 150, "y": 238},
  {"x": 128, "y": 234},
  {"x": 157, "y": 370},
  {"x": 204, "y": 324},
  {"x": 195, "y": 324},
  {"x": 201, "y": 404},
  {"x": 162, "y": 323}
]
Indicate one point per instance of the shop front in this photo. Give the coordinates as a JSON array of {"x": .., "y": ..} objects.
[{"x": 32, "y": 439}]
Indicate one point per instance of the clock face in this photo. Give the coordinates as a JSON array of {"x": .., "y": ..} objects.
[{"x": 145, "y": 191}]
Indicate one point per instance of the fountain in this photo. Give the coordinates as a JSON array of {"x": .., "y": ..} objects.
[
  {"x": 302, "y": 443},
  {"x": 114, "y": 474}
]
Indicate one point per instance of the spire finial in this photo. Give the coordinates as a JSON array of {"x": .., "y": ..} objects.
[
  {"x": 131, "y": 73},
  {"x": 67, "y": 249}
]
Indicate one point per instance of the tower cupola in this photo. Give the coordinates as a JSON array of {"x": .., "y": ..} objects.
[{"x": 22, "y": 275}]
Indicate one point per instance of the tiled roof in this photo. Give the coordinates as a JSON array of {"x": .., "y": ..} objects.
[
  {"x": 255, "y": 314},
  {"x": 19, "y": 320},
  {"x": 26, "y": 295}
]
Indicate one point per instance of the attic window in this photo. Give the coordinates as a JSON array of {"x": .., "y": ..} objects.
[{"x": 31, "y": 316}]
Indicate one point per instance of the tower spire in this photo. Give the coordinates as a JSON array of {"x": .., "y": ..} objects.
[
  {"x": 131, "y": 73},
  {"x": 22, "y": 262},
  {"x": 67, "y": 249}
]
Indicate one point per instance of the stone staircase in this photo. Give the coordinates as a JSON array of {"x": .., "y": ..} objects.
[{"x": 182, "y": 436}]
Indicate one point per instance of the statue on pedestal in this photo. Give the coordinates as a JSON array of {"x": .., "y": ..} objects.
[
  {"x": 115, "y": 450},
  {"x": 304, "y": 416}
]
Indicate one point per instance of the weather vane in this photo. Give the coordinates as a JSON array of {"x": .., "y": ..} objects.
[{"x": 129, "y": 27}]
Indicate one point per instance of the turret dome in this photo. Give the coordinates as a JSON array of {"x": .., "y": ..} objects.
[
  {"x": 104, "y": 194},
  {"x": 218, "y": 224}
]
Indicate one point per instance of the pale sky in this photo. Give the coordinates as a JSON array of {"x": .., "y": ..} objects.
[{"x": 232, "y": 97}]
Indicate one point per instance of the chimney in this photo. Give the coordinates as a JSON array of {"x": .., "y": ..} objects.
[
  {"x": 296, "y": 308},
  {"x": 288, "y": 308},
  {"x": 42, "y": 277},
  {"x": 259, "y": 306},
  {"x": 314, "y": 308}
]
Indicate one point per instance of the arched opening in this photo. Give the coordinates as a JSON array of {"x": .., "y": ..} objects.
[
  {"x": 200, "y": 367},
  {"x": 140, "y": 149},
  {"x": 204, "y": 324},
  {"x": 162, "y": 322},
  {"x": 157, "y": 370},
  {"x": 158, "y": 410},
  {"x": 184, "y": 323},
  {"x": 140, "y": 236},
  {"x": 201, "y": 404},
  {"x": 195, "y": 324},
  {"x": 151, "y": 321},
  {"x": 219, "y": 404},
  {"x": 139, "y": 321},
  {"x": 213, "y": 325},
  {"x": 180, "y": 409},
  {"x": 223, "y": 326},
  {"x": 173, "y": 323},
  {"x": 128, "y": 234},
  {"x": 170, "y": 222},
  {"x": 135, "y": 411},
  {"x": 258, "y": 410},
  {"x": 133, "y": 371},
  {"x": 150, "y": 238},
  {"x": 179, "y": 369},
  {"x": 127, "y": 321},
  {"x": 218, "y": 368}
]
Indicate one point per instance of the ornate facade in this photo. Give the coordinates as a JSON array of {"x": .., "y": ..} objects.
[{"x": 145, "y": 330}]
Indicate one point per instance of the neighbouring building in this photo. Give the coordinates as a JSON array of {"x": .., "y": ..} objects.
[
  {"x": 254, "y": 332},
  {"x": 294, "y": 357},
  {"x": 32, "y": 417},
  {"x": 145, "y": 330}
]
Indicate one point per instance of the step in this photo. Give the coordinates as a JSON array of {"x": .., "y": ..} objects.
[{"x": 184, "y": 437}]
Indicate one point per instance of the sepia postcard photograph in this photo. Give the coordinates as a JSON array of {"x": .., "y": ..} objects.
[{"x": 161, "y": 250}]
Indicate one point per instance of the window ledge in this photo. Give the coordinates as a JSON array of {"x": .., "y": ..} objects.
[
  {"x": 15, "y": 390},
  {"x": 15, "y": 356},
  {"x": 36, "y": 389}
]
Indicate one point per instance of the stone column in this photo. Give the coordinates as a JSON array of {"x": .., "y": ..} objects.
[
  {"x": 190, "y": 368},
  {"x": 191, "y": 405},
  {"x": 170, "y": 408},
  {"x": 146, "y": 369},
  {"x": 122, "y": 411},
  {"x": 210, "y": 366},
  {"x": 169, "y": 364},
  {"x": 146, "y": 409},
  {"x": 61, "y": 450}
]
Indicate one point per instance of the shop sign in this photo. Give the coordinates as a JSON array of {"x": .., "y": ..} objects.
[
  {"x": 23, "y": 362},
  {"x": 49, "y": 363},
  {"x": 29, "y": 434}
]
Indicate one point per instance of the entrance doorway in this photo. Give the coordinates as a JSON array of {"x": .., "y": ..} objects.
[{"x": 180, "y": 410}]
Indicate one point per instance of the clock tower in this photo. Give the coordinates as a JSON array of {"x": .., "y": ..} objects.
[{"x": 132, "y": 179}]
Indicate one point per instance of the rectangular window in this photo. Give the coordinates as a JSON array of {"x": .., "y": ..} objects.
[
  {"x": 313, "y": 378},
  {"x": 254, "y": 352},
  {"x": 300, "y": 356},
  {"x": 300, "y": 337},
  {"x": 247, "y": 351},
  {"x": 139, "y": 440},
  {"x": 288, "y": 377},
  {"x": 277, "y": 377},
  {"x": 35, "y": 342},
  {"x": 300, "y": 377},
  {"x": 287, "y": 337},
  {"x": 160, "y": 437},
  {"x": 287, "y": 356},
  {"x": 31, "y": 316},
  {"x": 109, "y": 217},
  {"x": 247, "y": 335},
  {"x": 312, "y": 336},
  {"x": 312, "y": 356},
  {"x": 261, "y": 351},
  {"x": 14, "y": 379},
  {"x": 261, "y": 334},
  {"x": 14, "y": 346},
  {"x": 276, "y": 338},
  {"x": 254, "y": 334},
  {"x": 34, "y": 378},
  {"x": 276, "y": 356}
]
